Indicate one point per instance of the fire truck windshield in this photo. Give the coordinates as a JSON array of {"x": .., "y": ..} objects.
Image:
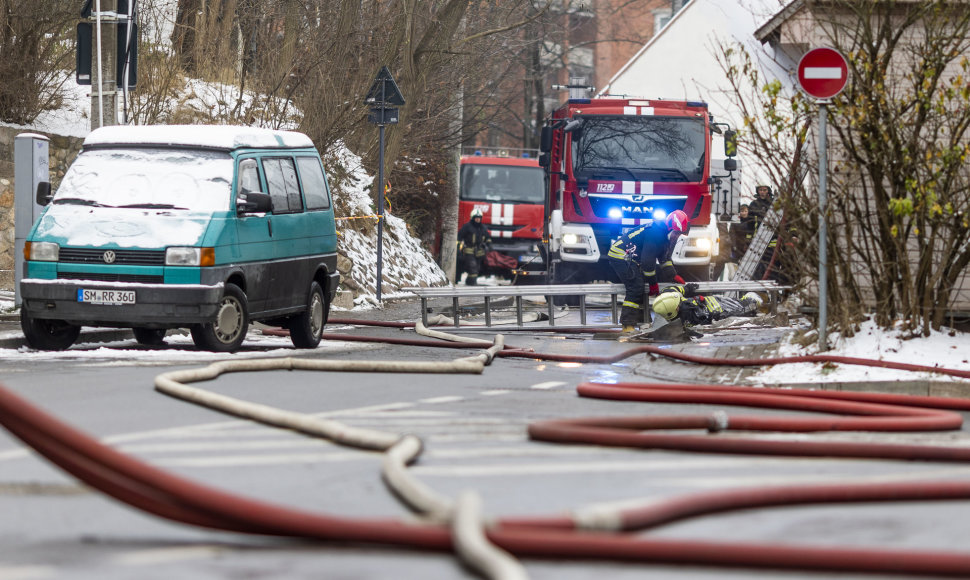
[
  {"x": 646, "y": 148},
  {"x": 502, "y": 183}
]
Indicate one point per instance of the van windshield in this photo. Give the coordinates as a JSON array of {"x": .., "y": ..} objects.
[{"x": 187, "y": 179}]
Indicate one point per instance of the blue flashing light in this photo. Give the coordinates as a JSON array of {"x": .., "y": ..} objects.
[
  {"x": 659, "y": 214},
  {"x": 696, "y": 104},
  {"x": 478, "y": 152},
  {"x": 615, "y": 213},
  {"x": 525, "y": 155},
  {"x": 580, "y": 101}
]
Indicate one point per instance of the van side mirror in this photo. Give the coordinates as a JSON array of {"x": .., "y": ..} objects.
[
  {"x": 544, "y": 160},
  {"x": 44, "y": 193},
  {"x": 730, "y": 144},
  {"x": 545, "y": 139},
  {"x": 730, "y": 165},
  {"x": 254, "y": 202}
]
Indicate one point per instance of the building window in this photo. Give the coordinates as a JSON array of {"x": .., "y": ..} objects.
[{"x": 660, "y": 19}]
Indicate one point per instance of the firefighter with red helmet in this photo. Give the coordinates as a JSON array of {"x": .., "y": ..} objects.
[{"x": 635, "y": 257}]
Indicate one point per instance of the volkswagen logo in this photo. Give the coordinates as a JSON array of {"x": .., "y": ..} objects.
[{"x": 108, "y": 257}]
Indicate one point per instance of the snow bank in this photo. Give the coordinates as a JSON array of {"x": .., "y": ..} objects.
[{"x": 405, "y": 263}]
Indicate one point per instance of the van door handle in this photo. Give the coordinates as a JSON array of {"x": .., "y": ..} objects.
[{"x": 269, "y": 226}]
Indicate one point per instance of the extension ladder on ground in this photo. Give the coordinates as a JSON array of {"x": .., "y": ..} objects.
[
  {"x": 752, "y": 257},
  {"x": 582, "y": 291}
]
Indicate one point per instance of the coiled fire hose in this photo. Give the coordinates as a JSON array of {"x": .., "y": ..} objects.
[{"x": 175, "y": 498}]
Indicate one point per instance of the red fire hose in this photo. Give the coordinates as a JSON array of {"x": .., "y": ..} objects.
[{"x": 172, "y": 497}]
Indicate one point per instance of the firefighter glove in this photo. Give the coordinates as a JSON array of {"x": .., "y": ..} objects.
[
  {"x": 678, "y": 279},
  {"x": 654, "y": 290}
]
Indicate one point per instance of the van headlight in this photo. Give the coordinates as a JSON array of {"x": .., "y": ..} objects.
[
  {"x": 41, "y": 251},
  {"x": 703, "y": 244},
  {"x": 181, "y": 256}
]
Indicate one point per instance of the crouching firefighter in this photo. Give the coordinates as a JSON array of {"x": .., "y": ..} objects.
[
  {"x": 635, "y": 256},
  {"x": 682, "y": 302}
]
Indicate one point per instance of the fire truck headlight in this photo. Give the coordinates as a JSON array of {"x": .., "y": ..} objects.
[
  {"x": 659, "y": 214},
  {"x": 703, "y": 244},
  {"x": 615, "y": 213},
  {"x": 571, "y": 239}
]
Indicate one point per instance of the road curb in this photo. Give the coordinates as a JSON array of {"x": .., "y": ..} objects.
[
  {"x": 95, "y": 335},
  {"x": 922, "y": 388},
  {"x": 12, "y": 337}
]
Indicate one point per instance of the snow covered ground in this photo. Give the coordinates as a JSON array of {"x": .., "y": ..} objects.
[{"x": 945, "y": 349}]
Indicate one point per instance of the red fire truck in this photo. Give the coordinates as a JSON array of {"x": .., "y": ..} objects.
[
  {"x": 508, "y": 187},
  {"x": 617, "y": 162}
]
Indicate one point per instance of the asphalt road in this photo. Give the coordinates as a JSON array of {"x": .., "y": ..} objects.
[{"x": 473, "y": 427}]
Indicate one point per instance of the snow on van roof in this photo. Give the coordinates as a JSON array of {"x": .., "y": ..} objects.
[{"x": 210, "y": 136}]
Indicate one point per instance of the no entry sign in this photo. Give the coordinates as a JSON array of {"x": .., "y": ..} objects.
[{"x": 823, "y": 72}]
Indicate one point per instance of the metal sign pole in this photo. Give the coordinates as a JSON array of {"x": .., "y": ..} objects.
[
  {"x": 382, "y": 93},
  {"x": 380, "y": 211},
  {"x": 822, "y": 73},
  {"x": 822, "y": 229},
  {"x": 97, "y": 8}
]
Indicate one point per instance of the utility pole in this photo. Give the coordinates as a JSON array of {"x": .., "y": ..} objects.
[{"x": 104, "y": 85}]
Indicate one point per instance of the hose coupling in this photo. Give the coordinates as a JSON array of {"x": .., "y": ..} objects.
[{"x": 718, "y": 421}]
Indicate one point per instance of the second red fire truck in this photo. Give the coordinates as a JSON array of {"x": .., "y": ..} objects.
[{"x": 508, "y": 187}]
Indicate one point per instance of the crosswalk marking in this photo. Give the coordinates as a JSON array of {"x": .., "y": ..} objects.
[{"x": 547, "y": 385}]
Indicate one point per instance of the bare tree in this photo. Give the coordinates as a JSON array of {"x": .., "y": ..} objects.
[
  {"x": 36, "y": 59},
  {"x": 899, "y": 181},
  {"x": 309, "y": 64}
]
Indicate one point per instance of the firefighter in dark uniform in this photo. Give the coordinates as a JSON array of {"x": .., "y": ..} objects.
[
  {"x": 635, "y": 256},
  {"x": 761, "y": 203},
  {"x": 682, "y": 302},
  {"x": 741, "y": 233},
  {"x": 474, "y": 242}
]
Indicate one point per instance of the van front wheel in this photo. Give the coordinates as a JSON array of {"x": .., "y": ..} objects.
[
  {"x": 226, "y": 334},
  {"x": 306, "y": 328},
  {"x": 44, "y": 334}
]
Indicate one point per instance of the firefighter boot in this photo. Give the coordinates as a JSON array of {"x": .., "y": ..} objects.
[
  {"x": 471, "y": 280},
  {"x": 630, "y": 318}
]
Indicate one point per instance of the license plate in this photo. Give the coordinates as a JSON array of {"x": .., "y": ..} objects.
[{"x": 106, "y": 296}]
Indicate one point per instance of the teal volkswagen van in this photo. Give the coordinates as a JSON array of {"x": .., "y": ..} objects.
[{"x": 201, "y": 227}]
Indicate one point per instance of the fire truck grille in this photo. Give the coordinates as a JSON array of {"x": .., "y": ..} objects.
[{"x": 602, "y": 206}]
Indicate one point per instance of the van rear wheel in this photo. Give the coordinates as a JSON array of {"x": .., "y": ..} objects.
[
  {"x": 228, "y": 331},
  {"x": 306, "y": 328},
  {"x": 44, "y": 334}
]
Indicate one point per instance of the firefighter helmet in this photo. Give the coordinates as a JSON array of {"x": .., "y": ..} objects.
[
  {"x": 767, "y": 189},
  {"x": 667, "y": 304},
  {"x": 677, "y": 222},
  {"x": 476, "y": 213}
]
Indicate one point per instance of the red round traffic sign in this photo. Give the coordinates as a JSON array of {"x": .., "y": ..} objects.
[{"x": 823, "y": 72}]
